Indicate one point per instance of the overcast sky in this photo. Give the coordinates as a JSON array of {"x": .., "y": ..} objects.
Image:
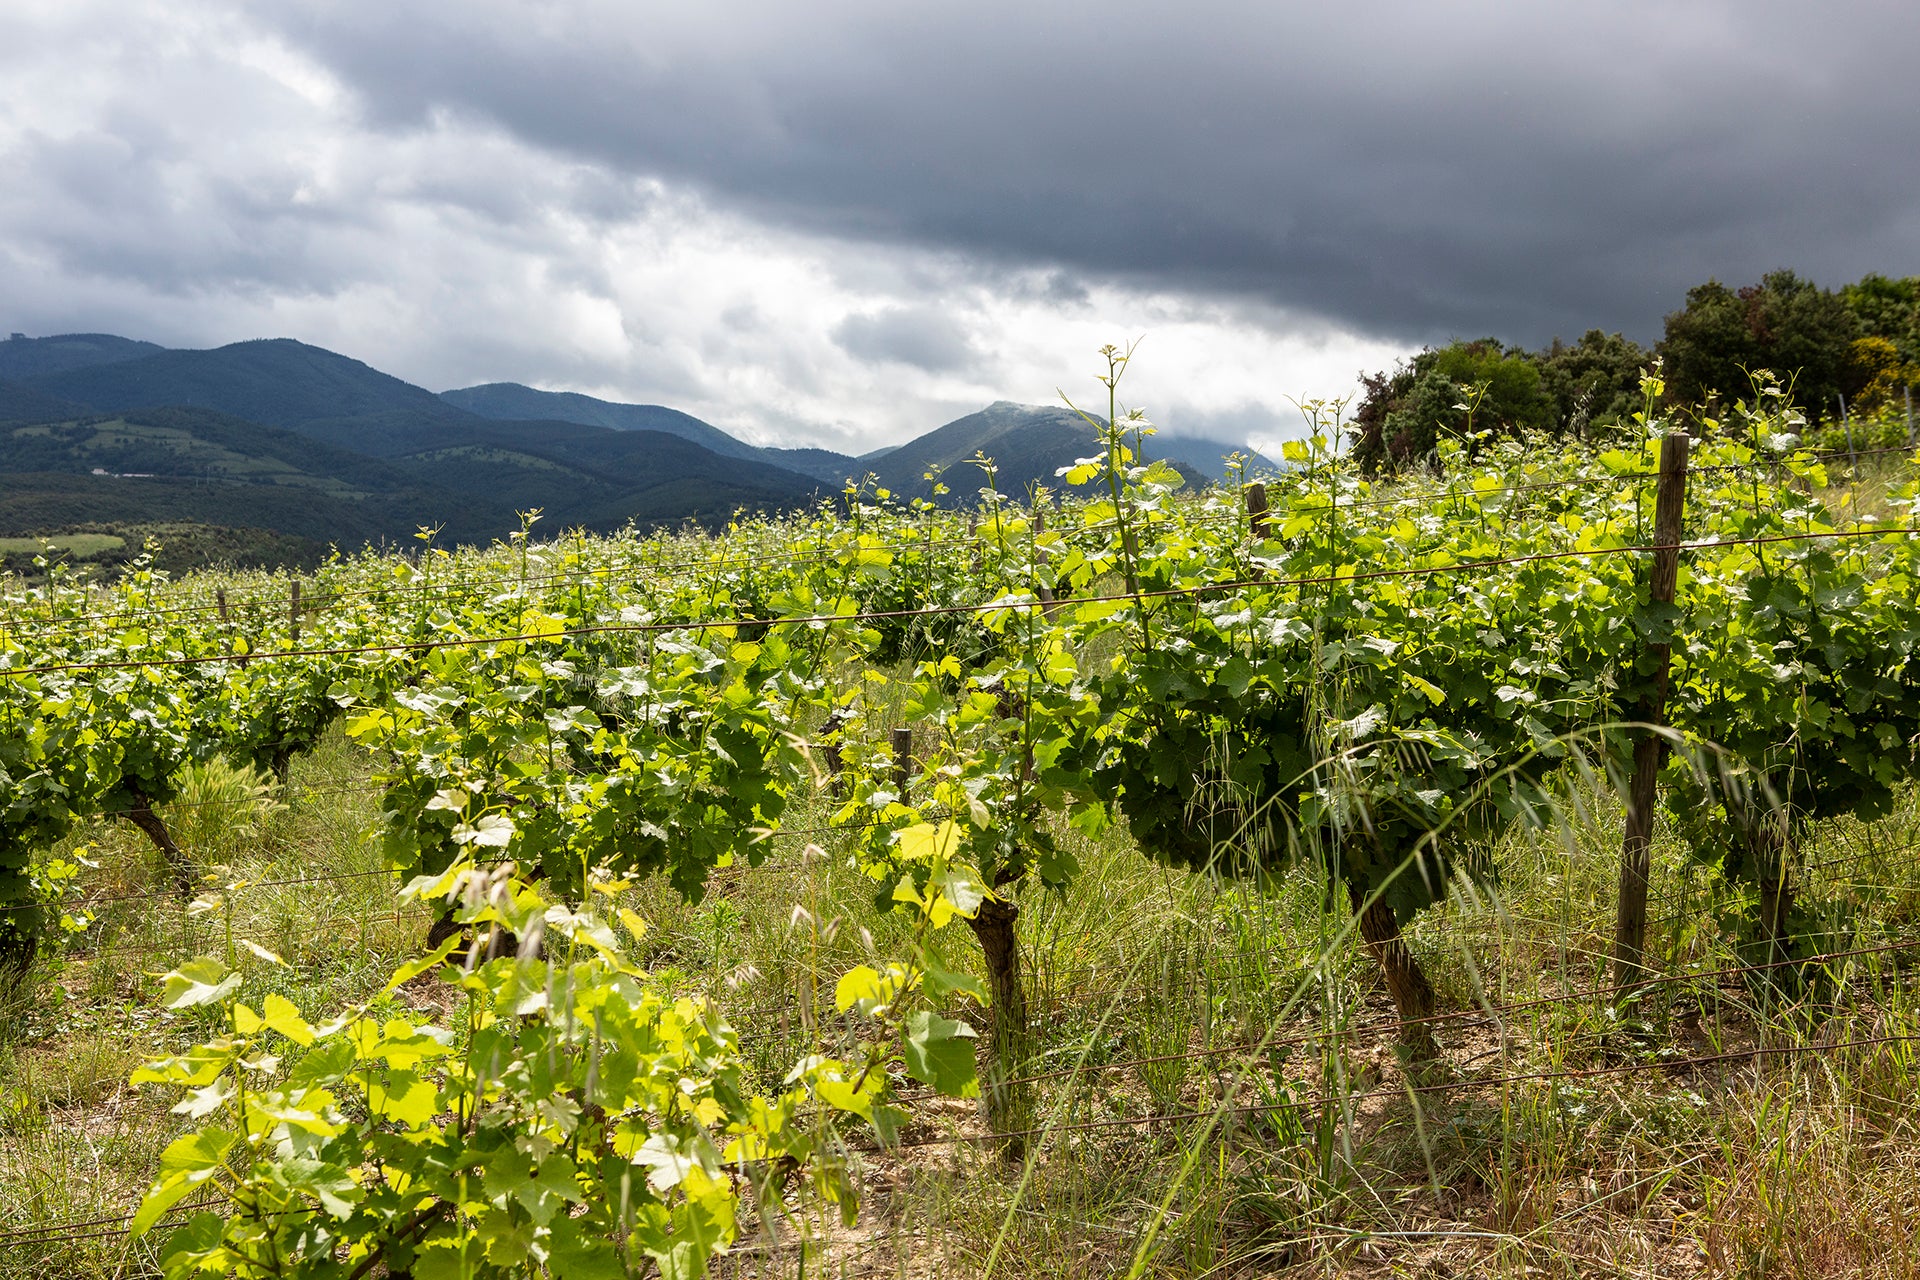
[{"x": 843, "y": 223}]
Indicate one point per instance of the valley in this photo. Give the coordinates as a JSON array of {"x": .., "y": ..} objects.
[{"x": 296, "y": 442}]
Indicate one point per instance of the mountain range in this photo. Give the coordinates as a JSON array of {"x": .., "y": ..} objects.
[{"x": 103, "y": 431}]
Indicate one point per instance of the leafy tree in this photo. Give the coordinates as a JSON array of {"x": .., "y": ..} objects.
[
  {"x": 1888, "y": 309},
  {"x": 1383, "y": 389},
  {"x": 1446, "y": 391},
  {"x": 1433, "y": 405},
  {"x": 1595, "y": 381},
  {"x": 1801, "y": 332},
  {"x": 1881, "y": 373}
]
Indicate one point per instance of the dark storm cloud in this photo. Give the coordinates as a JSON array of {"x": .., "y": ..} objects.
[{"x": 1415, "y": 171}]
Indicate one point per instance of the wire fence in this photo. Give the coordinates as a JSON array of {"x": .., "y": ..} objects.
[
  {"x": 59, "y": 1231},
  {"x": 240, "y": 610},
  {"x": 1015, "y": 602},
  {"x": 335, "y": 877},
  {"x": 638, "y": 565},
  {"x": 244, "y": 608},
  {"x": 1479, "y": 1015}
]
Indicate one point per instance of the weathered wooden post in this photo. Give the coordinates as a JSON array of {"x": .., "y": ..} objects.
[
  {"x": 1630, "y": 930},
  {"x": 1048, "y": 605},
  {"x": 1257, "y": 510},
  {"x": 902, "y": 760},
  {"x": 836, "y": 780}
]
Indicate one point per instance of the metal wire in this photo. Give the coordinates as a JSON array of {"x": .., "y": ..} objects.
[{"x": 1002, "y": 605}]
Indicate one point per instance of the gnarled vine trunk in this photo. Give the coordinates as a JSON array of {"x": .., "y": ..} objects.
[
  {"x": 483, "y": 944},
  {"x": 140, "y": 813},
  {"x": 18, "y": 946},
  {"x": 1770, "y": 854},
  {"x": 1776, "y": 910},
  {"x": 1412, "y": 994},
  {"x": 1009, "y": 1104},
  {"x": 443, "y": 926}
]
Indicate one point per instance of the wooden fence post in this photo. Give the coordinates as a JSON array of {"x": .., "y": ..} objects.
[
  {"x": 1257, "y": 510},
  {"x": 836, "y": 779},
  {"x": 903, "y": 760},
  {"x": 293, "y": 614},
  {"x": 1853, "y": 454},
  {"x": 1048, "y": 606},
  {"x": 1630, "y": 930}
]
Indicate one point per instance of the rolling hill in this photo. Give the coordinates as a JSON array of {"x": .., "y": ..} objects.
[
  {"x": 20, "y": 403},
  {"x": 195, "y": 444},
  {"x": 511, "y": 400},
  {"x": 1028, "y": 444},
  {"x": 306, "y": 443},
  {"x": 24, "y": 357},
  {"x": 274, "y": 381},
  {"x": 185, "y": 464},
  {"x": 351, "y": 415},
  {"x": 1208, "y": 457}
]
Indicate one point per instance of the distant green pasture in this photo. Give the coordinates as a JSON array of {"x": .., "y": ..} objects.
[{"x": 80, "y": 546}]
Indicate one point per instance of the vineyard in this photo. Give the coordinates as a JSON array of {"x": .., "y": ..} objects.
[{"x": 1510, "y": 868}]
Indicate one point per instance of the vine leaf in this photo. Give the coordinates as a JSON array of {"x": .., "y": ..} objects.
[
  {"x": 942, "y": 982},
  {"x": 200, "y": 981},
  {"x": 939, "y": 1052},
  {"x": 185, "y": 1164}
]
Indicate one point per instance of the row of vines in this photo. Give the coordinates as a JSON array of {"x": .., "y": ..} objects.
[{"x": 1366, "y": 684}]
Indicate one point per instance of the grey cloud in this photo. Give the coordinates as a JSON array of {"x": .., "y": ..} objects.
[
  {"x": 1054, "y": 288},
  {"x": 920, "y": 336},
  {"x": 1410, "y": 170}
]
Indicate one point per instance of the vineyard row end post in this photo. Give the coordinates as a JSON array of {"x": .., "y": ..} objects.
[
  {"x": 1257, "y": 510},
  {"x": 1630, "y": 930}
]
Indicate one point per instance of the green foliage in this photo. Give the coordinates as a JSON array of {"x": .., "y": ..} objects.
[
  {"x": 1329, "y": 697},
  {"x": 572, "y": 1112},
  {"x": 1363, "y": 731},
  {"x": 1797, "y": 671},
  {"x": 1336, "y": 699},
  {"x": 1885, "y": 379},
  {"x": 1595, "y": 382},
  {"x": 221, "y": 807},
  {"x": 1722, "y": 337},
  {"x": 1447, "y": 392},
  {"x": 1888, "y": 309}
]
